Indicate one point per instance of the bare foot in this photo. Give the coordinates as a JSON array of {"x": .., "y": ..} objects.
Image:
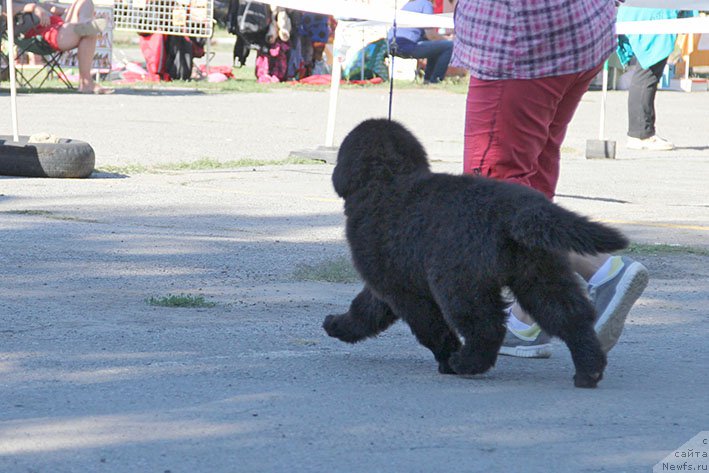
[{"x": 96, "y": 89}]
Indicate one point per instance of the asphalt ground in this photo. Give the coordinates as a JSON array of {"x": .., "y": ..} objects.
[{"x": 94, "y": 379}]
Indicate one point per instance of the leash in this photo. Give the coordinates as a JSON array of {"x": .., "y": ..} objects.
[{"x": 393, "y": 50}]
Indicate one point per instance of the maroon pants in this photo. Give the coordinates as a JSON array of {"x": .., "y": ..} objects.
[{"x": 514, "y": 128}]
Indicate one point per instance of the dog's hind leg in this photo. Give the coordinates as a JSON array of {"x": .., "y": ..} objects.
[
  {"x": 429, "y": 327},
  {"x": 478, "y": 316},
  {"x": 550, "y": 293},
  {"x": 367, "y": 317}
]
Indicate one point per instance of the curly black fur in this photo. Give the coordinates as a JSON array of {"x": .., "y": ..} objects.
[{"x": 435, "y": 250}]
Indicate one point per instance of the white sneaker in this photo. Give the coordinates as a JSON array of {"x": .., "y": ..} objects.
[{"x": 654, "y": 143}]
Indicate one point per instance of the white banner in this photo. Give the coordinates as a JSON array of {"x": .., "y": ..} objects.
[
  {"x": 377, "y": 14},
  {"x": 698, "y": 24},
  {"x": 669, "y": 4},
  {"x": 349, "y": 9}
]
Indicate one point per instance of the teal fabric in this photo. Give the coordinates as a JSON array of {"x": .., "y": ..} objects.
[
  {"x": 374, "y": 65},
  {"x": 649, "y": 49}
]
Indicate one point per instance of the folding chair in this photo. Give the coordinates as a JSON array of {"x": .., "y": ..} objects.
[
  {"x": 36, "y": 45},
  {"x": 420, "y": 62},
  {"x": 4, "y": 61},
  {"x": 51, "y": 67},
  {"x": 4, "y": 65}
]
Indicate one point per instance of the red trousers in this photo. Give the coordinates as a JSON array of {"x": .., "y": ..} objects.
[{"x": 514, "y": 128}]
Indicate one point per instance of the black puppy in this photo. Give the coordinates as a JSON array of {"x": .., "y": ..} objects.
[{"x": 436, "y": 250}]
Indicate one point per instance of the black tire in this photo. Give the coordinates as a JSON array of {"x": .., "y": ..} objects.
[{"x": 67, "y": 158}]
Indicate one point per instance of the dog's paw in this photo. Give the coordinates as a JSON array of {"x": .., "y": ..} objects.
[
  {"x": 587, "y": 380},
  {"x": 445, "y": 368},
  {"x": 467, "y": 364},
  {"x": 337, "y": 327}
]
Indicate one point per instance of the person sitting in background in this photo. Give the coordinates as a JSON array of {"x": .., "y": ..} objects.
[
  {"x": 423, "y": 44},
  {"x": 65, "y": 29}
]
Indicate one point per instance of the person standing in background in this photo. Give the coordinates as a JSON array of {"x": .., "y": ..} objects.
[{"x": 651, "y": 52}]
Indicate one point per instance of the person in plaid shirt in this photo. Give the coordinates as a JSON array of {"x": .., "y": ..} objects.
[{"x": 530, "y": 62}]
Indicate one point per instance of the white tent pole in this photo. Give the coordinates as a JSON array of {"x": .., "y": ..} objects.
[
  {"x": 332, "y": 110},
  {"x": 11, "y": 61},
  {"x": 602, "y": 127},
  {"x": 335, "y": 76}
]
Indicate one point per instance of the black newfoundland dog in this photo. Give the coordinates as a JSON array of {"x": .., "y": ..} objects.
[{"x": 436, "y": 250}]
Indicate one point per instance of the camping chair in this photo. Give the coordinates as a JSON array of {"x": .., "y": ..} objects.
[
  {"x": 4, "y": 62},
  {"x": 420, "y": 62},
  {"x": 36, "y": 45},
  {"x": 50, "y": 68}
]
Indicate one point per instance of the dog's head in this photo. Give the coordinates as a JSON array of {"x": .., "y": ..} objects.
[{"x": 376, "y": 150}]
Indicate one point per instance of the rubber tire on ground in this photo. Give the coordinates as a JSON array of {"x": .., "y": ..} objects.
[{"x": 68, "y": 158}]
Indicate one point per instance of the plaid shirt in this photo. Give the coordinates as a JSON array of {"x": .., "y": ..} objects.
[{"x": 527, "y": 39}]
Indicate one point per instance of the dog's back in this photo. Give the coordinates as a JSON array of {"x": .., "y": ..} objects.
[{"x": 383, "y": 173}]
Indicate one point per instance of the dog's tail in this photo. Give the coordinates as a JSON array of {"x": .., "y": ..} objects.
[{"x": 554, "y": 228}]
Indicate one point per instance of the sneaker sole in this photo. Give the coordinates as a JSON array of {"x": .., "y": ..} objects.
[
  {"x": 535, "y": 351},
  {"x": 610, "y": 326}
]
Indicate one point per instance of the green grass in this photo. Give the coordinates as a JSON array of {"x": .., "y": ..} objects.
[
  {"x": 244, "y": 81},
  {"x": 49, "y": 214},
  {"x": 180, "y": 300},
  {"x": 201, "y": 165},
  {"x": 338, "y": 270},
  {"x": 665, "y": 249},
  {"x": 43, "y": 213}
]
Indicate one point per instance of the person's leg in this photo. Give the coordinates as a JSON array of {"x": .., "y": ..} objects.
[
  {"x": 442, "y": 61},
  {"x": 78, "y": 21},
  {"x": 507, "y": 128},
  {"x": 80, "y": 11},
  {"x": 438, "y": 60},
  {"x": 615, "y": 282},
  {"x": 506, "y": 145},
  {"x": 68, "y": 39},
  {"x": 641, "y": 100},
  {"x": 572, "y": 88},
  {"x": 438, "y": 54}
]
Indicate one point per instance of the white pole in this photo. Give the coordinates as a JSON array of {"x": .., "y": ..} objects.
[
  {"x": 11, "y": 61},
  {"x": 361, "y": 66},
  {"x": 602, "y": 127},
  {"x": 332, "y": 110},
  {"x": 209, "y": 53},
  {"x": 336, "y": 74}
]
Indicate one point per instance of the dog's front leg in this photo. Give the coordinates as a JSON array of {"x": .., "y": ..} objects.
[
  {"x": 481, "y": 323},
  {"x": 426, "y": 321},
  {"x": 479, "y": 352},
  {"x": 367, "y": 317}
]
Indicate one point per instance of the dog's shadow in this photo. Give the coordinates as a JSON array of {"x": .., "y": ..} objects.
[{"x": 508, "y": 371}]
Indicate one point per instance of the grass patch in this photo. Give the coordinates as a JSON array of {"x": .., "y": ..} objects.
[
  {"x": 49, "y": 214},
  {"x": 202, "y": 164},
  {"x": 244, "y": 81},
  {"x": 180, "y": 300},
  {"x": 335, "y": 270},
  {"x": 665, "y": 249},
  {"x": 42, "y": 213}
]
